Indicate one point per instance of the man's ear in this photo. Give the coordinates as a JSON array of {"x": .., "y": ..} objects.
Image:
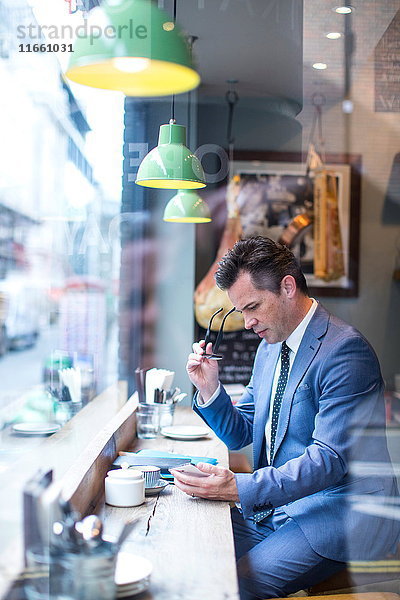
[{"x": 288, "y": 286}]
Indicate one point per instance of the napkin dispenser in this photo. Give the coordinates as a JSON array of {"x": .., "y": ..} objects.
[{"x": 157, "y": 379}]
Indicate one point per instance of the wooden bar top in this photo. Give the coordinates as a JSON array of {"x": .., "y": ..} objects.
[
  {"x": 188, "y": 540},
  {"x": 71, "y": 450}
]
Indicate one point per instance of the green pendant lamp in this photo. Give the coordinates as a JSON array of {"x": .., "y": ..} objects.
[
  {"x": 171, "y": 165},
  {"x": 187, "y": 207},
  {"x": 132, "y": 46}
]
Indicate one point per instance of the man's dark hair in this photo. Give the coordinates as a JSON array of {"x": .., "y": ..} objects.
[{"x": 265, "y": 260}]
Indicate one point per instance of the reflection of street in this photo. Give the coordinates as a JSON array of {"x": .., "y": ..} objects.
[{"x": 21, "y": 369}]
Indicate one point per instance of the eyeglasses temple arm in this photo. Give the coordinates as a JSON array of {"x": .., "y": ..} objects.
[
  {"x": 220, "y": 332},
  {"x": 207, "y": 336}
]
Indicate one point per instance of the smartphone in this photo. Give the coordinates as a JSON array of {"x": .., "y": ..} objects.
[{"x": 190, "y": 469}]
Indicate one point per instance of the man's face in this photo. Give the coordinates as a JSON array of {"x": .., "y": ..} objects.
[{"x": 263, "y": 311}]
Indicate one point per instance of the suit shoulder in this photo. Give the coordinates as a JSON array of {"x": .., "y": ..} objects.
[
  {"x": 342, "y": 338},
  {"x": 339, "y": 330}
]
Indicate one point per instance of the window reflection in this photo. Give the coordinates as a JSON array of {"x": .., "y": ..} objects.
[{"x": 59, "y": 253}]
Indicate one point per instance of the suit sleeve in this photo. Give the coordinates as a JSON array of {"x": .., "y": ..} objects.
[
  {"x": 350, "y": 402},
  {"x": 233, "y": 424}
]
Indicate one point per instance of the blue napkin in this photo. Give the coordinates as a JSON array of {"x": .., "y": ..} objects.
[
  {"x": 160, "y": 454},
  {"x": 193, "y": 459}
]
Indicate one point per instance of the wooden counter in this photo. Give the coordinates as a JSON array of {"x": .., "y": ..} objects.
[
  {"x": 100, "y": 429},
  {"x": 188, "y": 540}
]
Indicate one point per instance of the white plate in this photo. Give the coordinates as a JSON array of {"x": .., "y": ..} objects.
[
  {"x": 35, "y": 428},
  {"x": 152, "y": 491},
  {"x": 133, "y": 587},
  {"x": 131, "y": 569},
  {"x": 185, "y": 432}
]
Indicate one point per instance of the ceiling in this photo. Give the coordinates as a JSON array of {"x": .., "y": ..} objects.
[
  {"x": 256, "y": 42},
  {"x": 269, "y": 46}
]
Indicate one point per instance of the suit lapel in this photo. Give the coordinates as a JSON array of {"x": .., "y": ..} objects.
[
  {"x": 307, "y": 350},
  {"x": 263, "y": 404}
]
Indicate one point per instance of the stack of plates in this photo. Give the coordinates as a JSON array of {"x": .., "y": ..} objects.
[{"x": 132, "y": 574}]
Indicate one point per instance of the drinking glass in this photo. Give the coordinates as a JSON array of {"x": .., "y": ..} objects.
[
  {"x": 70, "y": 576},
  {"x": 147, "y": 421},
  {"x": 150, "y": 418}
]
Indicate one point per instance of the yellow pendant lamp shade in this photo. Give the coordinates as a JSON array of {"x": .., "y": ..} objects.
[
  {"x": 132, "y": 46},
  {"x": 187, "y": 207},
  {"x": 171, "y": 165}
]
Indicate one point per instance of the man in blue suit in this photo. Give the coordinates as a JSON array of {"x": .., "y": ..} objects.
[{"x": 315, "y": 413}]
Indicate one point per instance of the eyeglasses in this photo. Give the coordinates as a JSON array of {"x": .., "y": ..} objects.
[{"x": 214, "y": 355}]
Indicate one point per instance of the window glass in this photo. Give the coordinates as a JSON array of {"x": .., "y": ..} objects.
[
  {"x": 331, "y": 82},
  {"x": 93, "y": 282},
  {"x": 60, "y": 193}
]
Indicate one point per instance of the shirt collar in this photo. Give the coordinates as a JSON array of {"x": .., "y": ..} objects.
[{"x": 294, "y": 339}]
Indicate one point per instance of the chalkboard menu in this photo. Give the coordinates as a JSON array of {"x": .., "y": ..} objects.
[{"x": 238, "y": 349}]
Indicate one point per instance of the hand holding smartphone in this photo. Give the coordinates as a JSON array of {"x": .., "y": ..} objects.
[{"x": 190, "y": 469}]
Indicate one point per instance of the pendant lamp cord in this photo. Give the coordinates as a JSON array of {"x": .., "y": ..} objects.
[
  {"x": 173, "y": 109},
  {"x": 232, "y": 99},
  {"x": 173, "y": 96},
  {"x": 191, "y": 41}
]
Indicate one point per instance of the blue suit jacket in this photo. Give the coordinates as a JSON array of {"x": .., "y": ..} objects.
[{"x": 330, "y": 449}]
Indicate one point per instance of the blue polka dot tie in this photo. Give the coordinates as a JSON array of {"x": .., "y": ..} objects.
[{"x": 280, "y": 390}]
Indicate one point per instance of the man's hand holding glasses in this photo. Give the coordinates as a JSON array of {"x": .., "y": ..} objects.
[{"x": 202, "y": 365}]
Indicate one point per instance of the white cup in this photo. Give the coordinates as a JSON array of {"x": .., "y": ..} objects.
[
  {"x": 397, "y": 383},
  {"x": 124, "y": 487}
]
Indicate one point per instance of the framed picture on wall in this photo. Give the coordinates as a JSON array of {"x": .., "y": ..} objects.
[{"x": 275, "y": 191}]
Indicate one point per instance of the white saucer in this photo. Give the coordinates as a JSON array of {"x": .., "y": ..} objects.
[
  {"x": 185, "y": 432},
  {"x": 35, "y": 428},
  {"x": 131, "y": 570},
  {"x": 156, "y": 489},
  {"x": 137, "y": 588}
]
